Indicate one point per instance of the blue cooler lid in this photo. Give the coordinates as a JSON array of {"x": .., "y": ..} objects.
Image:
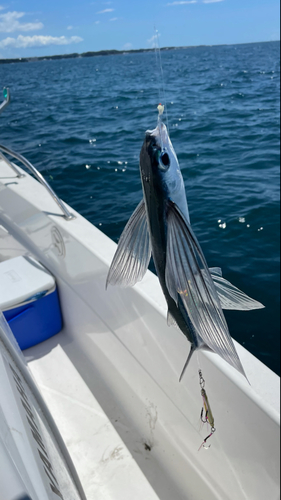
[{"x": 21, "y": 279}]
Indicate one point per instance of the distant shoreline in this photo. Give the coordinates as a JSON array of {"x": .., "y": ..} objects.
[{"x": 111, "y": 53}]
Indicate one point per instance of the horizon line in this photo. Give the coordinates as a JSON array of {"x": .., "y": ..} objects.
[{"x": 122, "y": 51}]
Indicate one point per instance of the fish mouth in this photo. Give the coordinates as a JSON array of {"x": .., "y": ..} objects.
[{"x": 161, "y": 136}]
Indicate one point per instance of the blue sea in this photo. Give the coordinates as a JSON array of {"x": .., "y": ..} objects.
[{"x": 81, "y": 122}]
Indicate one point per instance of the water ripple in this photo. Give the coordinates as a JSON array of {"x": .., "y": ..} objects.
[{"x": 82, "y": 123}]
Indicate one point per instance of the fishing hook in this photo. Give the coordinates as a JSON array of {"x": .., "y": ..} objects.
[
  {"x": 203, "y": 445},
  {"x": 206, "y": 416}
]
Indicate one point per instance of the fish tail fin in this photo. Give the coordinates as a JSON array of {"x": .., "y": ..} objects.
[{"x": 192, "y": 350}]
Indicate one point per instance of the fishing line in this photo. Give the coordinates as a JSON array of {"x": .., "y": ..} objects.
[
  {"x": 159, "y": 66},
  {"x": 158, "y": 60}
]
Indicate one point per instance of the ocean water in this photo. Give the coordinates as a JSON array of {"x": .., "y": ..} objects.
[{"x": 81, "y": 122}]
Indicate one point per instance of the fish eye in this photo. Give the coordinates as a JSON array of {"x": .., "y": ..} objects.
[{"x": 165, "y": 160}]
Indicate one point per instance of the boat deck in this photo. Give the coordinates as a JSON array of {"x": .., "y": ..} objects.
[{"x": 103, "y": 461}]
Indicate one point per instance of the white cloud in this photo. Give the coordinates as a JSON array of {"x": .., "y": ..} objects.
[
  {"x": 69, "y": 27},
  {"x": 1, "y": 7},
  {"x": 212, "y": 1},
  {"x": 37, "y": 41},
  {"x": 9, "y": 23},
  {"x": 153, "y": 41},
  {"x": 187, "y": 2},
  {"x": 114, "y": 19},
  {"x": 105, "y": 11},
  {"x": 97, "y": 22}
]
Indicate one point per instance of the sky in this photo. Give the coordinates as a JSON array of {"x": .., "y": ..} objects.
[{"x": 32, "y": 28}]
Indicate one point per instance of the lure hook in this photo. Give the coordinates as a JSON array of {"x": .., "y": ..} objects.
[
  {"x": 208, "y": 418},
  {"x": 203, "y": 445}
]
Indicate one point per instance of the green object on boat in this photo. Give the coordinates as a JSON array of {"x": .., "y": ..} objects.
[{"x": 5, "y": 93}]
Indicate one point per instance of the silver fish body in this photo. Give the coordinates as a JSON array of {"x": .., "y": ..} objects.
[
  {"x": 162, "y": 181},
  {"x": 160, "y": 226}
]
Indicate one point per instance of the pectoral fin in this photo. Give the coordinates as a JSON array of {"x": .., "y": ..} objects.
[
  {"x": 231, "y": 297},
  {"x": 188, "y": 276},
  {"x": 133, "y": 253}
]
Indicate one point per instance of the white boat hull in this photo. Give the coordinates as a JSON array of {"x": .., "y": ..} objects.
[
  {"x": 34, "y": 461},
  {"x": 110, "y": 378}
]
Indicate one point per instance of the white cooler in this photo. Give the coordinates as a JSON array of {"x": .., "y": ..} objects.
[{"x": 29, "y": 300}]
